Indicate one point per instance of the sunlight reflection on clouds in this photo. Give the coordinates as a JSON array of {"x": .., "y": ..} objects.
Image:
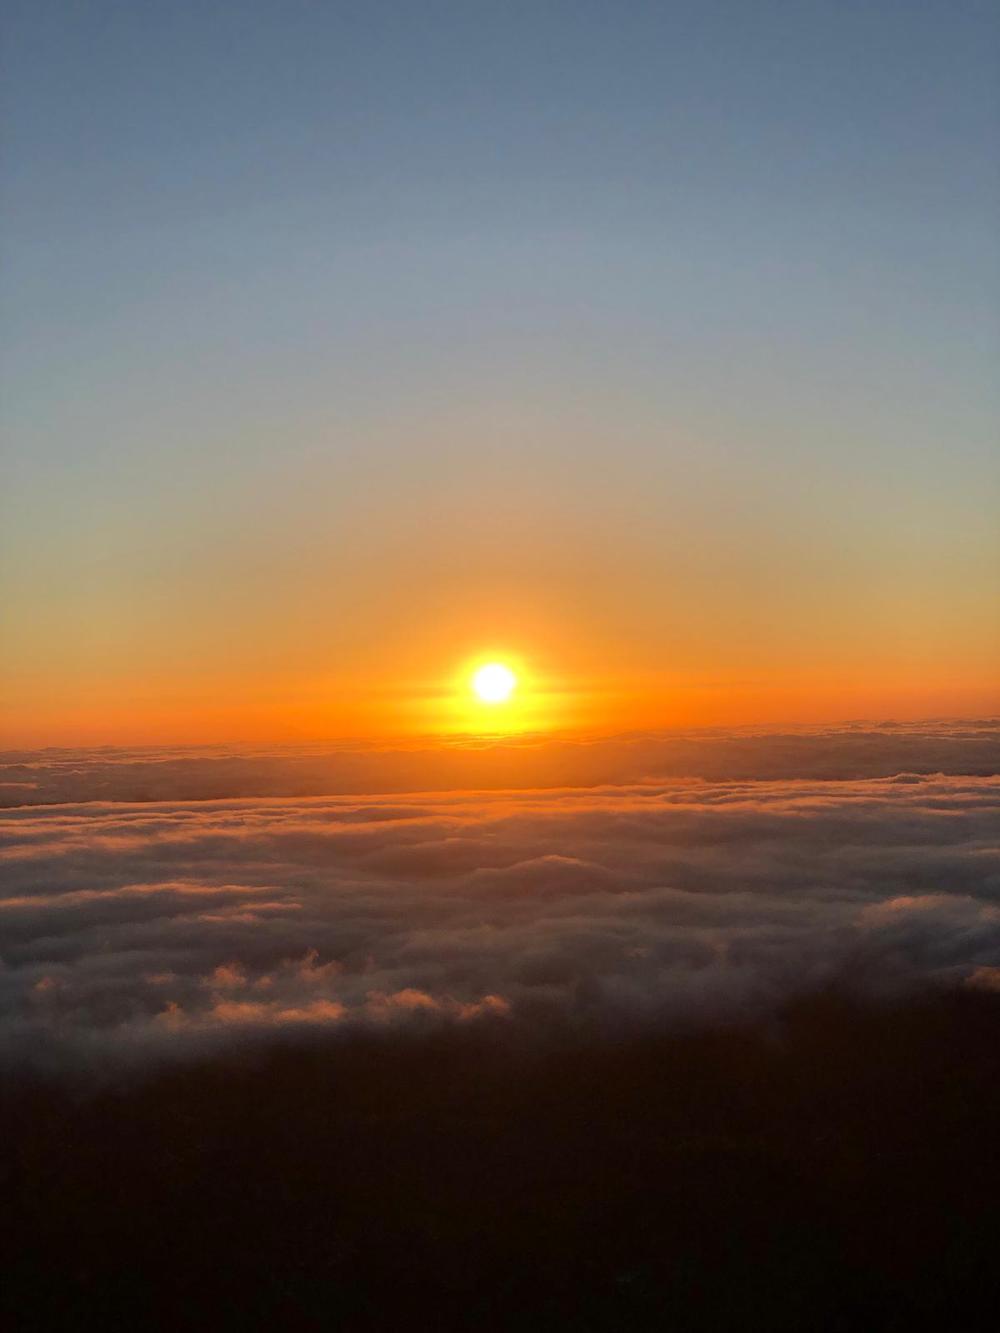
[{"x": 142, "y": 927}]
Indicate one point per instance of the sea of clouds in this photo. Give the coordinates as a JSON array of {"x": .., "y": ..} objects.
[{"x": 160, "y": 927}]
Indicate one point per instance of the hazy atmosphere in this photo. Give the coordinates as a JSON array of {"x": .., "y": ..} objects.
[{"x": 652, "y": 343}]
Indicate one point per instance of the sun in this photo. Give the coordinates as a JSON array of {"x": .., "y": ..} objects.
[{"x": 494, "y": 683}]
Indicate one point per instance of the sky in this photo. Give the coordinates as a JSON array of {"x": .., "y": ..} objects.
[{"x": 649, "y": 347}]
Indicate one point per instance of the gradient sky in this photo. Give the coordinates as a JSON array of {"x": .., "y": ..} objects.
[{"x": 652, "y": 345}]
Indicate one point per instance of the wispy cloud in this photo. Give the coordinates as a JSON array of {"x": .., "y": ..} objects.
[{"x": 140, "y": 927}]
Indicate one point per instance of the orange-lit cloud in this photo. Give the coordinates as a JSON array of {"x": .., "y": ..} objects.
[{"x": 678, "y": 898}]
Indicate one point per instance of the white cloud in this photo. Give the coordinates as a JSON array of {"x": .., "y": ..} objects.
[{"x": 140, "y": 926}]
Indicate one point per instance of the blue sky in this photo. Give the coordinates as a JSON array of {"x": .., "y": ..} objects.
[{"x": 291, "y": 287}]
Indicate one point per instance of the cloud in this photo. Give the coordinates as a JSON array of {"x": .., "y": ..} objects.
[
  {"x": 855, "y": 750},
  {"x": 164, "y": 925}
]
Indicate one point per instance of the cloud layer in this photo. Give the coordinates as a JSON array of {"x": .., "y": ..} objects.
[
  {"x": 854, "y": 750},
  {"x": 166, "y": 926}
]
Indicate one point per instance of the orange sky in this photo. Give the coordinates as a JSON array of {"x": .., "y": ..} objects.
[
  {"x": 276, "y": 709},
  {"x": 640, "y": 364}
]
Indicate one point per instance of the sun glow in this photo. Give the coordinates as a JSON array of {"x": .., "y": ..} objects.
[{"x": 494, "y": 683}]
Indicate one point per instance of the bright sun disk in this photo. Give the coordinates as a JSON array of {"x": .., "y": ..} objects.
[{"x": 494, "y": 683}]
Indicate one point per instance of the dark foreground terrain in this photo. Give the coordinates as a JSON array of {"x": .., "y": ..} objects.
[{"x": 836, "y": 1170}]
